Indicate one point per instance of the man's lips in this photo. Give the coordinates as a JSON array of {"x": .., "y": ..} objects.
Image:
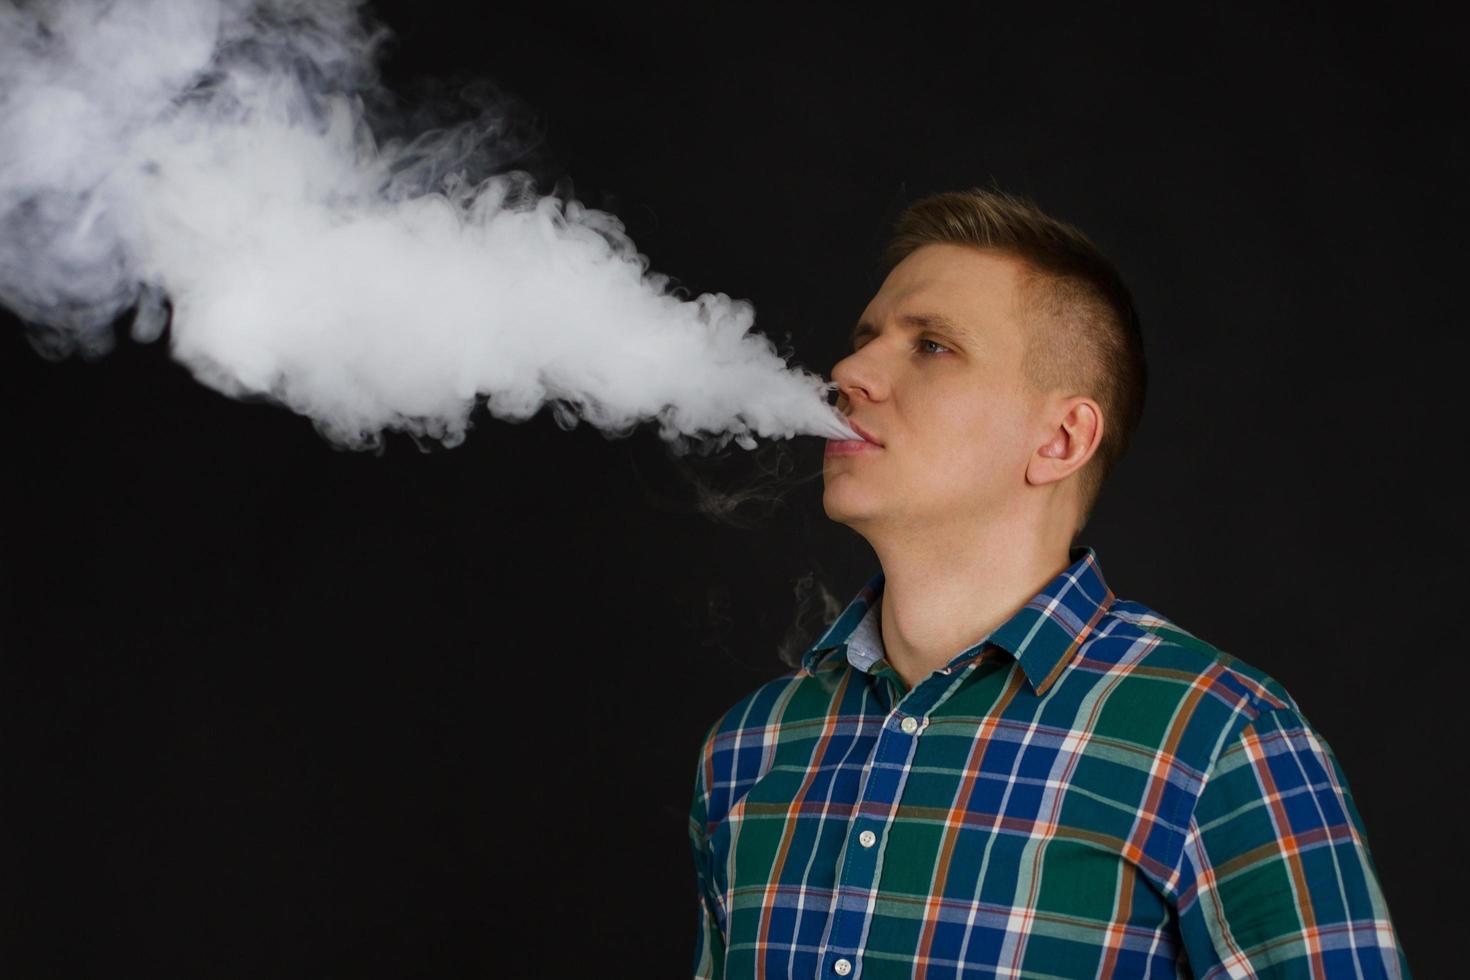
[
  {"x": 863, "y": 432},
  {"x": 846, "y": 447}
]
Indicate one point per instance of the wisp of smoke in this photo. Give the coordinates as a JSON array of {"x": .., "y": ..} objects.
[
  {"x": 816, "y": 608},
  {"x": 209, "y": 165}
]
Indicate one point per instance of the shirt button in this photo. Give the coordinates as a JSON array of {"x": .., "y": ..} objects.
[
  {"x": 909, "y": 725},
  {"x": 867, "y": 838},
  {"x": 842, "y": 967}
]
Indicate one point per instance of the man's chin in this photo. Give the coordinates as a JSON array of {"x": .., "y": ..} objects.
[{"x": 843, "y": 510}]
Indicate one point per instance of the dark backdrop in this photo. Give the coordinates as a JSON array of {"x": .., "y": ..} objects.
[{"x": 272, "y": 709}]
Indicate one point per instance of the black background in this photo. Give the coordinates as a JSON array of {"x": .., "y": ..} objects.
[{"x": 274, "y": 709}]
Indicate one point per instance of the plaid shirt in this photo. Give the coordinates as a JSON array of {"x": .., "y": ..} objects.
[{"x": 1090, "y": 791}]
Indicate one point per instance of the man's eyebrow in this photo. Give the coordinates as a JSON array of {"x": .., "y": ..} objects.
[{"x": 924, "y": 321}]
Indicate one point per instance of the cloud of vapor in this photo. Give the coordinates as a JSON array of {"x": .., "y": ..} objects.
[{"x": 209, "y": 165}]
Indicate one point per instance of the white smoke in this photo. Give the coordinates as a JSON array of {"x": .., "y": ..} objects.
[{"x": 213, "y": 158}]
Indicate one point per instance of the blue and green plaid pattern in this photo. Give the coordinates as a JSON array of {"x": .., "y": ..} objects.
[{"x": 1091, "y": 791}]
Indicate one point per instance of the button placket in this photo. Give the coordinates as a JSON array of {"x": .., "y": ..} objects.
[
  {"x": 884, "y": 777},
  {"x": 883, "y": 783}
]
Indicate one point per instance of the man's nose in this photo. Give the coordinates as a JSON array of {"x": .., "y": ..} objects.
[{"x": 857, "y": 377}]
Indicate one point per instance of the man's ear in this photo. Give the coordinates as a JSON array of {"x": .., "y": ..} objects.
[{"x": 1075, "y": 435}]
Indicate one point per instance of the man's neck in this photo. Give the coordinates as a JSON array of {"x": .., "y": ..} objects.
[{"x": 955, "y": 589}]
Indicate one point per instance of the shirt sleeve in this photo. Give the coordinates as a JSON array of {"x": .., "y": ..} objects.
[
  {"x": 709, "y": 949},
  {"x": 1276, "y": 879}
]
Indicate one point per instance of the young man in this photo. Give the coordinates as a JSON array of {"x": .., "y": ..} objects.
[{"x": 990, "y": 765}]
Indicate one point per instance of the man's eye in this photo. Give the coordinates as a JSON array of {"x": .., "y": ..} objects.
[{"x": 935, "y": 343}]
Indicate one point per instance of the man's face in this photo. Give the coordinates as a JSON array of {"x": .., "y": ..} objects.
[{"x": 935, "y": 376}]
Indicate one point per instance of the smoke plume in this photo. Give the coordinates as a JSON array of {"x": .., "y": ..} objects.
[{"x": 209, "y": 167}]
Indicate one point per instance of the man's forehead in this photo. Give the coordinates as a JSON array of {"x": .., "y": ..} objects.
[{"x": 960, "y": 290}]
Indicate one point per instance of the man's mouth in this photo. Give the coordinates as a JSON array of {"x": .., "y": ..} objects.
[
  {"x": 844, "y": 447},
  {"x": 867, "y": 436}
]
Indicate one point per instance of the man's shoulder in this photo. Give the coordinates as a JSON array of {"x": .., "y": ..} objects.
[
  {"x": 1177, "y": 651},
  {"x": 746, "y": 740},
  {"x": 795, "y": 692},
  {"x": 1167, "y": 688}
]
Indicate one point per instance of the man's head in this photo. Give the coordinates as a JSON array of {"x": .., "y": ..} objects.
[{"x": 1000, "y": 364}]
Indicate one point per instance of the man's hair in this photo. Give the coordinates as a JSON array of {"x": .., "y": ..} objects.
[{"x": 1082, "y": 331}]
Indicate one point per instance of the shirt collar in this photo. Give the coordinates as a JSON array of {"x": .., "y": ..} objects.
[{"x": 1043, "y": 635}]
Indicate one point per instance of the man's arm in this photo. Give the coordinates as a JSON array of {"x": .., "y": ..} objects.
[
  {"x": 1276, "y": 878},
  {"x": 709, "y": 950}
]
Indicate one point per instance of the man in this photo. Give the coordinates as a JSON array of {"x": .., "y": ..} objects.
[{"x": 990, "y": 765}]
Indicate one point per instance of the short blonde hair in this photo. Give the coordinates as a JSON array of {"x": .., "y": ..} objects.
[{"x": 1084, "y": 335}]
